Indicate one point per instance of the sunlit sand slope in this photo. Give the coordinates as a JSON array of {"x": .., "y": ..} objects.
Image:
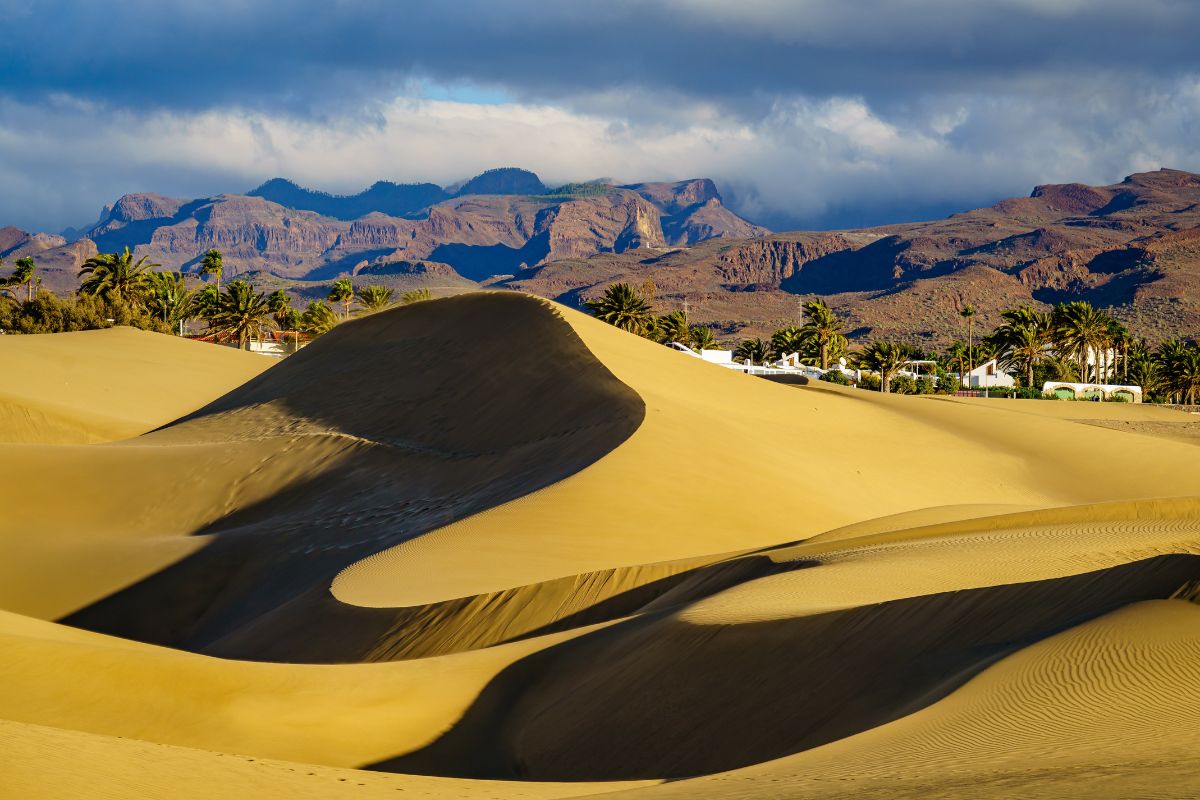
[
  {"x": 95, "y": 386},
  {"x": 45, "y": 763},
  {"x": 1109, "y": 709}
]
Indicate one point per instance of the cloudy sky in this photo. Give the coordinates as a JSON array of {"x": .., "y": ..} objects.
[{"x": 809, "y": 113}]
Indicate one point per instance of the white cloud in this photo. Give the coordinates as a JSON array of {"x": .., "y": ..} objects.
[{"x": 807, "y": 161}]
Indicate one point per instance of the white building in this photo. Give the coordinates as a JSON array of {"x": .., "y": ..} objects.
[
  {"x": 986, "y": 376},
  {"x": 1088, "y": 391}
]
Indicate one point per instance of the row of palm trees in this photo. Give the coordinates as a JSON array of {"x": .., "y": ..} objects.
[{"x": 234, "y": 312}]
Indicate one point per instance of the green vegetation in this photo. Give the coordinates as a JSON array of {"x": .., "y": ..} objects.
[
  {"x": 342, "y": 291},
  {"x": 415, "y": 296},
  {"x": 241, "y": 315},
  {"x": 375, "y": 298},
  {"x": 753, "y": 351},
  {"x": 213, "y": 264},
  {"x": 117, "y": 289},
  {"x": 116, "y": 276},
  {"x": 885, "y": 358},
  {"x": 624, "y": 308},
  {"x": 23, "y": 269},
  {"x": 573, "y": 190}
]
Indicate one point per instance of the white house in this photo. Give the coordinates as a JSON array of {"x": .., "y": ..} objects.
[{"x": 986, "y": 376}]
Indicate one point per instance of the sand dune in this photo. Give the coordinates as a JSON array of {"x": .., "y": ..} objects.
[
  {"x": 95, "y": 386},
  {"x": 575, "y": 556}
]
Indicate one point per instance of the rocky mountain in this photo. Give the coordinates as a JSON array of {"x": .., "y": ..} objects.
[
  {"x": 499, "y": 223},
  {"x": 1133, "y": 247}
]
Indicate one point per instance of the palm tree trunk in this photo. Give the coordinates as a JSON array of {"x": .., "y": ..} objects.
[{"x": 971, "y": 342}]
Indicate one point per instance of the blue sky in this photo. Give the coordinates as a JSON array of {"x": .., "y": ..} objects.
[{"x": 809, "y": 113}]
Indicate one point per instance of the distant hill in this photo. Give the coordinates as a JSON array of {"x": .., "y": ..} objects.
[
  {"x": 393, "y": 199},
  {"x": 505, "y": 180}
]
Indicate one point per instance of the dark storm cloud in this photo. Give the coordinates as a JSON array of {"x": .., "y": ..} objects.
[
  {"x": 811, "y": 113},
  {"x": 307, "y": 57}
]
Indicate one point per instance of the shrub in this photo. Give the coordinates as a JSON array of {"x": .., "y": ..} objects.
[
  {"x": 902, "y": 384},
  {"x": 869, "y": 382},
  {"x": 925, "y": 385},
  {"x": 836, "y": 376}
]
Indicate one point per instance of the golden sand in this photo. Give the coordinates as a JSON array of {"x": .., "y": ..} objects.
[{"x": 582, "y": 564}]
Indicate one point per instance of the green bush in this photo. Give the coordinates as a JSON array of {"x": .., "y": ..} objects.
[
  {"x": 902, "y": 384},
  {"x": 49, "y": 313},
  {"x": 869, "y": 382},
  {"x": 836, "y": 376}
]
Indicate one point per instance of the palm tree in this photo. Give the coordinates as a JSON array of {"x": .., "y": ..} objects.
[
  {"x": 415, "y": 296},
  {"x": 318, "y": 318},
  {"x": 286, "y": 318},
  {"x": 957, "y": 352},
  {"x": 1144, "y": 370},
  {"x": 206, "y": 302},
  {"x": 280, "y": 305},
  {"x": 116, "y": 276},
  {"x": 168, "y": 296},
  {"x": 1179, "y": 364},
  {"x": 673, "y": 327},
  {"x": 621, "y": 307},
  {"x": 786, "y": 341},
  {"x": 702, "y": 338},
  {"x": 23, "y": 274},
  {"x": 886, "y": 358},
  {"x": 213, "y": 264},
  {"x": 968, "y": 313},
  {"x": 753, "y": 351},
  {"x": 342, "y": 291},
  {"x": 375, "y": 298},
  {"x": 1022, "y": 340},
  {"x": 1079, "y": 331},
  {"x": 825, "y": 330},
  {"x": 241, "y": 314}
]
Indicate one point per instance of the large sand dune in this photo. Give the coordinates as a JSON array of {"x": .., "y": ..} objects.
[{"x": 576, "y": 557}]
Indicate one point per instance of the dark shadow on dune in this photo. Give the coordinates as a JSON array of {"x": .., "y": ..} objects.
[
  {"x": 452, "y": 407},
  {"x": 653, "y": 697}
]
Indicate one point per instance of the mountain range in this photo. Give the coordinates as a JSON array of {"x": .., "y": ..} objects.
[
  {"x": 1132, "y": 247},
  {"x": 500, "y": 222}
]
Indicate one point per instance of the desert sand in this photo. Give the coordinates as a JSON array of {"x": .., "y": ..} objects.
[{"x": 490, "y": 547}]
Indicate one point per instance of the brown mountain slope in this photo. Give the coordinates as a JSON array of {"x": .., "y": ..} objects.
[{"x": 1133, "y": 247}]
